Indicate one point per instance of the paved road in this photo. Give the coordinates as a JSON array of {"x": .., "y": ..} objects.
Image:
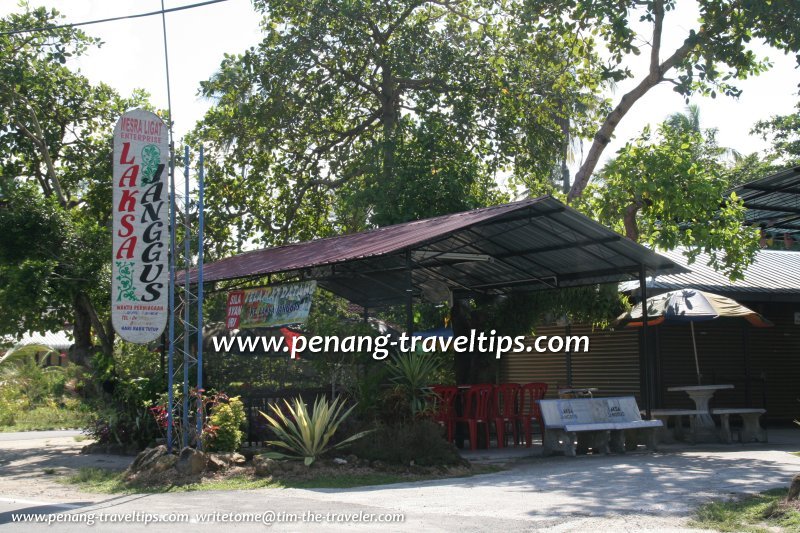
[
  {"x": 39, "y": 435},
  {"x": 635, "y": 492}
]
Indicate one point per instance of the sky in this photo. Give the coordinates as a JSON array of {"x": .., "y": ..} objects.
[{"x": 133, "y": 57}]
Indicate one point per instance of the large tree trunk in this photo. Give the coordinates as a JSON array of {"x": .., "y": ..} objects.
[
  {"x": 81, "y": 352},
  {"x": 388, "y": 122},
  {"x": 629, "y": 219}
]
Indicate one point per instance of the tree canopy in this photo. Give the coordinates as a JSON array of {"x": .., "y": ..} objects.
[
  {"x": 356, "y": 113},
  {"x": 55, "y": 182}
]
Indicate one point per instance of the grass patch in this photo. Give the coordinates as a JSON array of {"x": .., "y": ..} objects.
[
  {"x": 47, "y": 418},
  {"x": 795, "y": 453},
  {"x": 101, "y": 480},
  {"x": 760, "y": 513}
]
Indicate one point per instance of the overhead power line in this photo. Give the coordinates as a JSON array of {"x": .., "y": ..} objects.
[{"x": 112, "y": 19}]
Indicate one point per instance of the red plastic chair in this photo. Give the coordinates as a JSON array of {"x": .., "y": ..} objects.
[
  {"x": 506, "y": 411},
  {"x": 476, "y": 410},
  {"x": 529, "y": 408},
  {"x": 445, "y": 408}
]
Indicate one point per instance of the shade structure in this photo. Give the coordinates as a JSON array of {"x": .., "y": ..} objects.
[
  {"x": 533, "y": 244},
  {"x": 773, "y": 203},
  {"x": 690, "y": 305}
]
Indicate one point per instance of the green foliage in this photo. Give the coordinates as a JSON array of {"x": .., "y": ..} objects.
[
  {"x": 783, "y": 131},
  {"x": 412, "y": 373},
  {"x": 55, "y": 182},
  {"x": 762, "y": 512},
  {"x": 666, "y": 190},
  {"x": 125, "y": 418},
  {"x": 420, "y": 441},
  {"x": 307, "y": 435},
  {"x": 359, "y": 113},
  {"x": 36, "y": 397},
  {"x": 516, "y": 314},
  {"x": 225, "y": 422}
]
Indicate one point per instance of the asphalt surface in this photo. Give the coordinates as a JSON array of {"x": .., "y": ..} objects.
[
  {"x": 634, "y": 492},
  {"x": 38, "y": 435}
]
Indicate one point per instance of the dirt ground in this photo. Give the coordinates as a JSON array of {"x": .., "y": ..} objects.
[{"x": 31, "y": 462}]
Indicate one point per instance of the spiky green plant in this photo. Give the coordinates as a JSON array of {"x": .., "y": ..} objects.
[
  {"x": 307, "y": 435},
  {"x": 413, "y": 372}
]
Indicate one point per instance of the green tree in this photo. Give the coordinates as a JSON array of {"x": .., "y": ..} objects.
[
  {"x": 712, "y": 56},
  {"x": 368, "y": 113},
  {"x": 666, "y": 189},
  {"x": 783, "y": 132},
  {"x": 55, "y": 183}
]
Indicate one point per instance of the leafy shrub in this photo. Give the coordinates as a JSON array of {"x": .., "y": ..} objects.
[
  {"x": 225, "y": 422},
  {"x": 421, "y": 441},
  {"x": 36, "y": 397},
  {"x": 126, "y": 419},
  {"x": 307, "y": 435},
  {"x": 199, "y": 401},
  {"x": 412, "y": 373}
]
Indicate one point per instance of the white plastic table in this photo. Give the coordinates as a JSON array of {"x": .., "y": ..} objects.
[{"x": 701, "y": 395}]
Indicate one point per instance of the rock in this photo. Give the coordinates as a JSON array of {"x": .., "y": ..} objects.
[
  {"x": 191, "y": 462},
  {"x": 146, "y": 458},
  {"x": 378, "y": 464},
  {"x": 163, "y": 463},
  {"x": 264, "y": 465},
  {"x": 339, "y": 461},
  {"x": 352, "y": 459},
  {"x": 232, "y": 459},
  {"x": 216, "y": 463}
]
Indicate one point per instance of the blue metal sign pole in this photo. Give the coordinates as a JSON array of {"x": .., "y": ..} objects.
[
  {"x": 171, "y": 352},
  {"x": 187, "y": 263},
  {"x": 200, "y": 228}
]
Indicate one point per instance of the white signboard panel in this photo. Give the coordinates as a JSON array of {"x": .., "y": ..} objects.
[{"x": 140, "y": 273}]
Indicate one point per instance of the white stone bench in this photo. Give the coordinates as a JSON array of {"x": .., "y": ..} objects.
[
  {"x": 572, "y": 425},
  {"x": 664, "y": 415},
  {"x": 751, "y": 428}
]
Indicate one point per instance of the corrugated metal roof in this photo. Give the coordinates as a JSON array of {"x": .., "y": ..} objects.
[
  {"x": 57, "y": 340},
  {"x": 773, "y": 202},
  {"x": 531, "y": 244},
  {"x": 774, "y": 275}
]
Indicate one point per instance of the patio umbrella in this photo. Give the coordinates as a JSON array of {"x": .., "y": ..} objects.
[{"x": 690, "y": 305}]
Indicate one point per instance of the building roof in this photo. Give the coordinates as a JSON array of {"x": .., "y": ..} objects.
[
  {"x": 774, "y": 275},
  {"x": 773, "y": 202},
  {"x": 532, "y": 244},
  {"x": 56, "y": 340}
]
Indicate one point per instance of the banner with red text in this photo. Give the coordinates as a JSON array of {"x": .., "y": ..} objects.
[
  {"x": 266, "y": 307},
  {"x": 139, "y": 269}
]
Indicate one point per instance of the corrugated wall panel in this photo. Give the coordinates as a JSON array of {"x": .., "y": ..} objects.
[
  {"x": 611, "y": 364},
  {"x": 550, "y": 368},
  {"x": 763, "y": 365}
]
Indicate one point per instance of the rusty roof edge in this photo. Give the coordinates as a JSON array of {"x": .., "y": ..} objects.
[
  {"x": 658, "y": 264},
  {"x": 508, "y": 207}
]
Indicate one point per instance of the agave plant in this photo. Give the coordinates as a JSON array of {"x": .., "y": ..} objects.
[
  {"x": 307, "y": 435},
  {"x": 413, "y": 372}
]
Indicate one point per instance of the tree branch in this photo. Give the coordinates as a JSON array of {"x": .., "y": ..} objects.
[{"x": 653, "y": 78}]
